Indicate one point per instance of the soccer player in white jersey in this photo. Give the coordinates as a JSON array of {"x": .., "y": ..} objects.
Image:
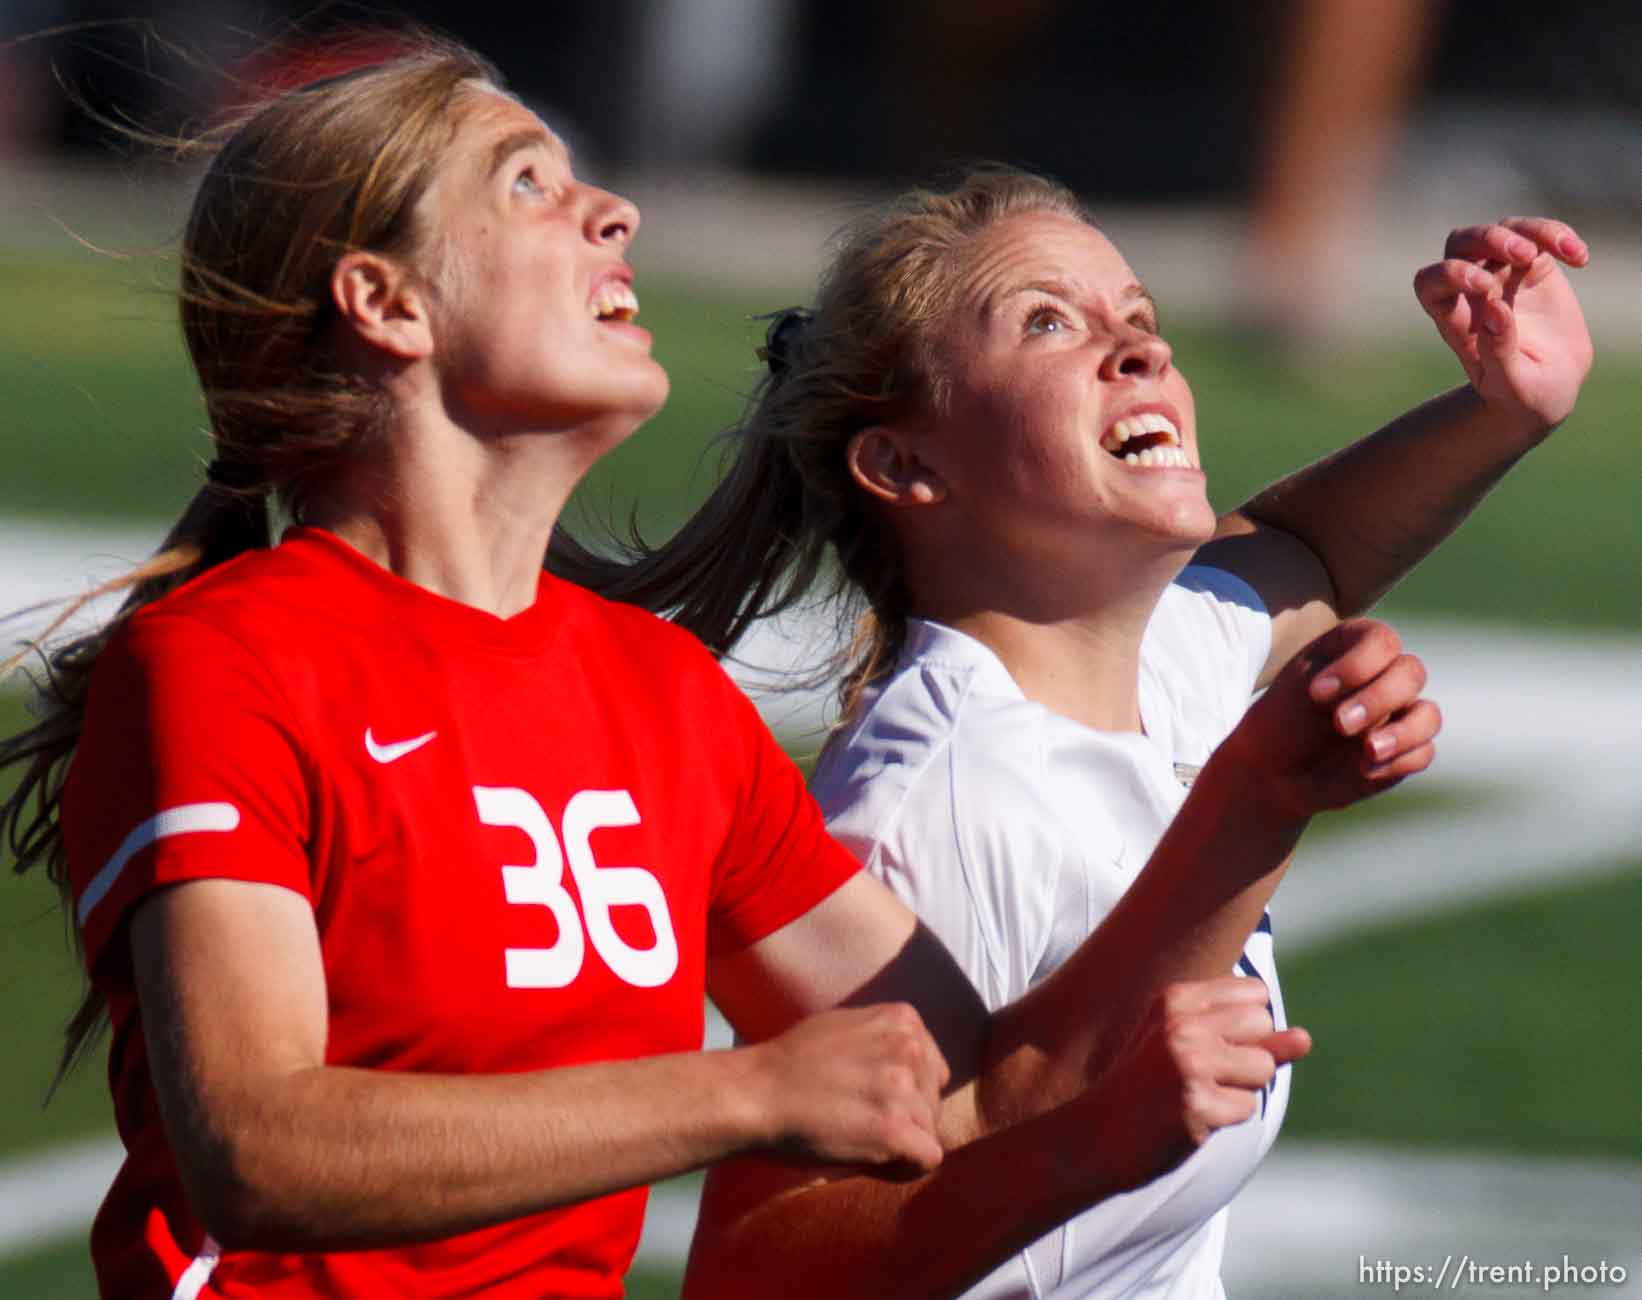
[
  {"x": 401, "y": 868},
  {"x": 981, "y": 424}
]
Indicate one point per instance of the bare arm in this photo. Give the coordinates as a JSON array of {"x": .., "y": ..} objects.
[
  {"x": 826, "y": 1233},
  {"x": 1331, "y": 539},
  {"x": 279, "y": 1150},
  {"x": 1112, "y": 1032}
]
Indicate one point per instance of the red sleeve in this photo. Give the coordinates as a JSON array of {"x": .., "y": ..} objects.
[
  {"x": 187, "y": 769},
  {"x": 778, "y": 860}
]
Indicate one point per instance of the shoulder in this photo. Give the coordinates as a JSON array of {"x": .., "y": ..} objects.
[
  {"x": 263, "y": 598},
  {"x": 219, "y": 619},
  {"x": 1203, "y": 652},
  {"x": 948, "y": 715},
  {"x": 635, "y": 634},
  {"x": 1212, "y": 598},
  {"x": 941, "y": 789},
  {"x": 945, "y": 771}
]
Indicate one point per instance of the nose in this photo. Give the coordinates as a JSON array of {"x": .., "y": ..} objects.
[
  {"x": 611, "y": 219},
  {"x": 1137, "y": 355}
]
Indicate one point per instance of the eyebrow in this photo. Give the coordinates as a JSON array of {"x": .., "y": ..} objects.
[
  {"x": 530, "y": 137},
  {"x": 1135, "y": 291}
]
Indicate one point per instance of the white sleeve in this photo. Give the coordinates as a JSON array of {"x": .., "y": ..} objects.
[
  {"x": 1203, "y": 652},
  {"x": 1239, "y": 619},
  {"x": 972, "y": 849}
]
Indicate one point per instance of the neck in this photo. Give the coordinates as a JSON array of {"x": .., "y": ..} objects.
[
  {"x": 464, "y": 516},
  {"x": 1070, "y": 639},
  {"x": 1081, "y": 669}
]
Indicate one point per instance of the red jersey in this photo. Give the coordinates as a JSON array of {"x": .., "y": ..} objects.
[{"x": 520, "y": 838}]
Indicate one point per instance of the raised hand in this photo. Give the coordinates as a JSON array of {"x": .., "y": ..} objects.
[
  {"x": 861, "y": 1085},
  {"x": 1501, "y": 301},
  {"x": 1342, "y": 721}
]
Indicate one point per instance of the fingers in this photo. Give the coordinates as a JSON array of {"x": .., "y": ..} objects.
[
  {"x": 1286, "y": 1045},
  {"x": 1244, "y": 1069},
  {"x": 1233, "y": 1014},
  {"x": 1441, "y": 286},
  {"x": 1403, "y": 745},
  {"x": 1387, "y": 690},
  {"x": 1193, "y": 998},
  {"x": 908, "y": 1092},
  {"x": 1468, "y": 294},
  {"x": 1346, "y": 658},
  {"x": 1517, "y": 242},
  {"x": 1223, "y": 1049},
  {"x": 1396, "y": 725},
  {"x": 913, "y": 1147},
  {"x": 1461, "y": 297},
  {"x": 1374, "y": 691},
  {"x": 860, "y": 1085}
]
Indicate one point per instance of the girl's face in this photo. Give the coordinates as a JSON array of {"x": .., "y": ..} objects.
[
  {"x": 1066, "y": 416},
  {"x": 532, "y": 299}
]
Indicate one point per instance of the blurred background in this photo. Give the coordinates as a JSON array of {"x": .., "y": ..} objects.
[{"x": 1466, "y": 950}]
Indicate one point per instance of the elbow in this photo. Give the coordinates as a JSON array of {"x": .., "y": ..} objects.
[{"x": 246, "y": 1197}]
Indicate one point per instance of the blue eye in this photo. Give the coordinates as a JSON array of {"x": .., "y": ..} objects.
[
  {"x": 1045, "y": 320},
  {"x": 526, "y": 180}
]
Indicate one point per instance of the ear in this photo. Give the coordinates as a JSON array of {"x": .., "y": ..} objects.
[
  {"x": 376, "y": 299},
  {"x": 885, "y": 462}
]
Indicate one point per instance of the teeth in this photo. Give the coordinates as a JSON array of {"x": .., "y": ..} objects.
[
  {"x": 1134, "y": 426},
  {"x": 1160, "y": 458},
  {"x": 614, "y": 301},
  {"x": 1162, "y": 452},
  {"x": 1151, "y": 423}
]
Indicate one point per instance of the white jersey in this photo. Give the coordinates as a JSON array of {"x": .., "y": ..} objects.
[{"x": 1012, "y": 831}]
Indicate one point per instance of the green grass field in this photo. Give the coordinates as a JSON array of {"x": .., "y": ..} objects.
[
  {"x": 103, "y": 422},
  {"x": 1452, "y": 1032}
]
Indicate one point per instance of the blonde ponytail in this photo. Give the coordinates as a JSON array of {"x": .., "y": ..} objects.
[{"x": 788, "y": 512}]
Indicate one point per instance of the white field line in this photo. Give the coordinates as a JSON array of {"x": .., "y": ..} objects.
[
  {"x": 1303, "y": 1227},
  {"x": 53, "y": 1194},
  {"x": 1547, "y": 721}
]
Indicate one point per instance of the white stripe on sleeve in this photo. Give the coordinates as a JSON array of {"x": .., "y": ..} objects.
[
  {"x": 192, "y": 1282},
  {"x": 183, "y": 820}
]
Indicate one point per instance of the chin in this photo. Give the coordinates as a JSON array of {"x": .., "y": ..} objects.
[
  {"x": 1191, "y": 523},
  {"x": 649, "y": 393}
]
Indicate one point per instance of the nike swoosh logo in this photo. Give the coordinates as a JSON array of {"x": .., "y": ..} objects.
[{"x": 398, "y": 749}]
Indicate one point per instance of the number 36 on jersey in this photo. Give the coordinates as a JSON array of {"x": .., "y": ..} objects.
[{"x": 541, "y": 883}]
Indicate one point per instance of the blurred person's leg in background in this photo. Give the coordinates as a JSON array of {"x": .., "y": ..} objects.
[
  {"x": 1343, "y": 88},
  {"x": 28, "y": 95}
]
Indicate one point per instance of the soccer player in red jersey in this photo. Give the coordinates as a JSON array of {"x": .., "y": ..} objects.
[{"x": 401, "y": 867}]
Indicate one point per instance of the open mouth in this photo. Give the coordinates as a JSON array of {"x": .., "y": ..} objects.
[
  {"x": 1147, "y": 440},
  {"x": 614, "y": 301}
]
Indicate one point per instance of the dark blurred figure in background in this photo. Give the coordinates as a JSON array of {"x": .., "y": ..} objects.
[
  {"x": 144, "y": 64},
  {"x": 1291, "y": 110},
  {"x": 1347, "y": 73},
  {"x": 1292, "y": 134},
  {"x": 1301, "y": 116},
  {"x": 1294, "y": 103}
]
